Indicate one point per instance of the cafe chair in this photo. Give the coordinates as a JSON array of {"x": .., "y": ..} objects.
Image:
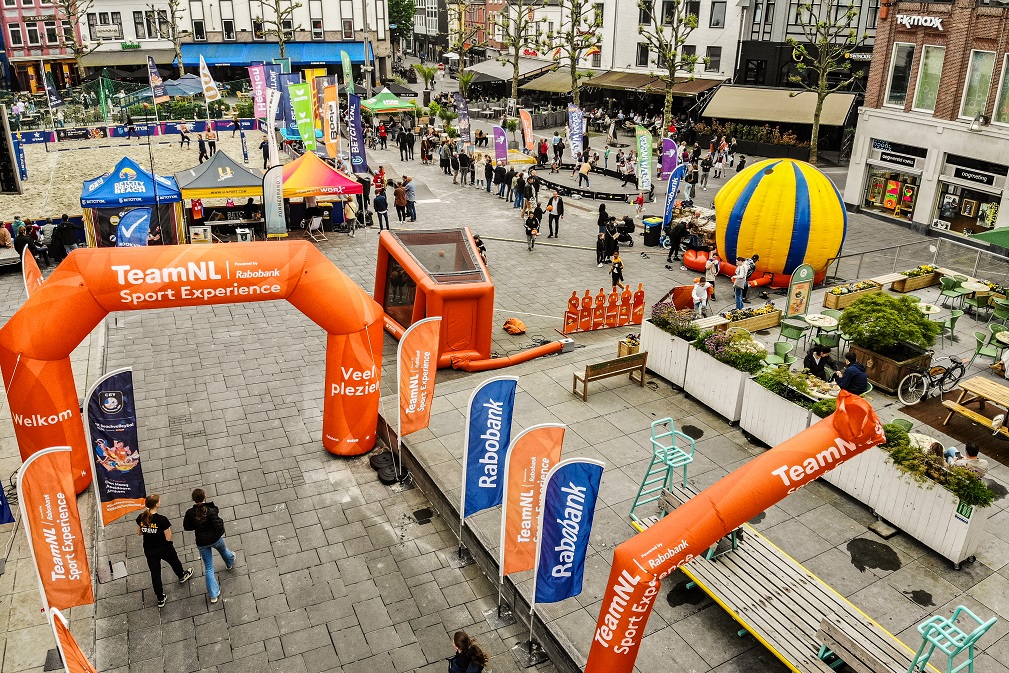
[
  {"x": 951, "y": 290},
  {"x": 995, "y": 329},
  {"x": 903, "y": 424},
  {"x": 982, "y": 347},
  {"x": 867, "y": 391},
  {"x": 999, "y": 310},
  {"x": 782, "y": 355},
  {"x": 980, "y": 301},
  {"x": 836, "y": 315},
  {"x": 947, "y": 635},
  {"x": 831, "y": 341},
  {"x": 315, "y": 230},
  {"x": 949, "y": 324},
  {"x": 793, "y": 330}
]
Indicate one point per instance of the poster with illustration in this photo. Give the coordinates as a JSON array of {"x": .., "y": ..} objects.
[{"x": 890, "y": 201}]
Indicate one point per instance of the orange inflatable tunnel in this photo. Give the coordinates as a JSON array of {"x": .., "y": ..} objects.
[
  {"x": 640, "y": 563},
  {"x": 696, "y": 260},
  {"x": 423, "y": 274}
]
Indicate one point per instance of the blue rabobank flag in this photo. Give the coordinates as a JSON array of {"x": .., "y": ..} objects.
[
  {"x": 488, "y": 434},
  {"x": 358, "y": 157},
  {"x": 671, "y": 188},
  {"x": 134, "y": 225},
  {"x": 569, "y": 502},
  {"x": 286, "y": 106},
  {"x": 6, "y": 516}
]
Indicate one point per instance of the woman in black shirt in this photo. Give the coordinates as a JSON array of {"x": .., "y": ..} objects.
[{"x": 157, "y": 532}]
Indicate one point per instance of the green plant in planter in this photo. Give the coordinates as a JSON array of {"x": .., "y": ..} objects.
[
  {"x": 679, "y": 323},
  {"x": 785, "y": 384},
  {"x": 825, "y": 407},
  {"x": 881, "y": 323},
  {"x": 738, "y": 350}
]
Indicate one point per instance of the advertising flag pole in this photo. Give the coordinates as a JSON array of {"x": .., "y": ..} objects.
[{"x": 49, "y": 101}]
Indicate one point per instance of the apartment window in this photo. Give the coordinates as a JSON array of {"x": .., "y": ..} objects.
[
  {"x": 644, "y": 16},
  {"x": 873, "y": 14},
  {"x": 68, "y": 31},
  {"x": 693, "y": 7},
  {"x": 32, "y": 31},
  {"x": 668, "y": 12},
  {"x": 597, "y": 60},
  {"x": 52, "y": 35},
  {"x": 348, "y": 29},
  {"x": 258, "y": 30},
  {"x": 14, "y": 31},
  {"x": 315, "y": 11},
  {"x": 755, "y": 72},
  {"x": 717, "y": 15},
  {"x": 758, "y": 12},
  {"x": 93, "y": 27},
  {"x": 317, "y": 32},
  {"x": 199, "y": 26},
  {"x": 688, "y": 56},
  {"x": 713, "y": 59},
  {"x": 1002, "y": 102},
  {"x": 975, "y": 95},
  {"x": 139, "y": 26},
  {"x": 103, "y": 18},
  {"x": 27, "y": 3},
  {"x": 900, "y": 73},
  {"x": 228, "y": 21},
  {"x": 927, "y": 89},
  {"x": 117, "y": 20},
  {"x": 288, "y": 27},
  {"x": 10, "y": 3},
  {"x": 641, "y": 59}
]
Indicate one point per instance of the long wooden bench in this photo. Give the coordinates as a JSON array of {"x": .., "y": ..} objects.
[
  {"x": 886, "y": 279},
  {"x": 627, "y": 364},
  {"x": 854, "y": 642},
  {"x": 781, "y": 603},
  {"x": 716, "y": 323},
  {"x": 980, "y": 419}
]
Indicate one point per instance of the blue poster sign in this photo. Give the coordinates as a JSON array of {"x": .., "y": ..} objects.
[
  {"x": 110, "y": 420},
  {"x": 569, "y": 503},
  {"x": 671, "y": 188},
  {"x": 133, "y": 227},
  {"x": 286, "y": 106},
  {"x": 245, "y": 148},
  {"x": 488, "y": 435},
  {"x": 358, "y": 156},
  {"x": 462, "y": 109},
  {"x": 19, "y": 155}
]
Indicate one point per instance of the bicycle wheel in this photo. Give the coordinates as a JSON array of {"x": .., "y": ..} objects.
[
  {"x": 912, "y": 388},
  {"x": 954, "y": 373}
]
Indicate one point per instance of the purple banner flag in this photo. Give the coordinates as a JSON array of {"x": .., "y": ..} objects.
[
  {"x": 669, "y": 158},
  {"x": 462, "y": 109},
  {"x": 500, "y": 145},
  {"x": 358, "y": 157}
]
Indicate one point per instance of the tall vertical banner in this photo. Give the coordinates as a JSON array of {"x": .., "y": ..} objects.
[
  {"x": 287, "y": 80},
  {"x": 19, "y": 154},
  {"x": 669, "y": 158},
  {"x": 110, "y": 422},
  {"x": 643, "y": 142},
  {"x": 417, "y": 364},
  {"x": 488, "y": 434},
  {"x": 530, "y": 458},
  {"x": 672, "y": 187},
  {"x": 257, "y": 78},
  {"x": 569, "y": 505},
  {"x": 245, "y": 146},
  {"x": 527, "y": 130},
  {"x": 210, "y": 90},
  {"x": 331, "y": 115},
  {"x": 575, "y": 126},
  {"x": 51, "y": 93},
  {"x": 462, "y": 109},
  {"x": 348, "y": 72},
  {"x": 301, "y": 103},
  {"x": 158, "y": 91},
  {"x": 273, "y": 201},
  {"x": 355, "y": 136},
  {"x": 500, "y": 145},
  {"x": 53, "y": 528},
  {"x": 273, "y": 73},
  {"x": 273, "y": 99},
  {"x": 74, "y": 659},
  {"x": 31, "y": 271}
]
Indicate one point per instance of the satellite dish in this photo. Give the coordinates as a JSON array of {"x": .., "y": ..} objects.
[{"x": 997, "y": 422}]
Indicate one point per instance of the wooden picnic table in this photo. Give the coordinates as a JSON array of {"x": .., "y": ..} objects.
[{"x": 981, "y": 390}]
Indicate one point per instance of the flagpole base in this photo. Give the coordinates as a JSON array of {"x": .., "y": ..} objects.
[
  {"x": 461, "y": 559},
  {"x": 499, "y": 617},
  {"x": 528, "y": 653},
  {"x": 54, "y": 662}
]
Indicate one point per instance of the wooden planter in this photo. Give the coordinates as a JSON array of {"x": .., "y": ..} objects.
[
  {"x": 916, "y": 283},
  {"x": 886, "y": 373},
  {"x": 667, "y": 354},
  {"x": 715, "y": 384},
  {"x": 765, "y": 321},
  {"x": 841, "y": 301},
  {"x": 770, "y": 418},
  {"x": 925, "y": 511},
  {"x": 624, "y": 349}
]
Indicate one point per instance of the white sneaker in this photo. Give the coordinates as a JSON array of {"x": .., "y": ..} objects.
[{"x": 598, "y": 266}]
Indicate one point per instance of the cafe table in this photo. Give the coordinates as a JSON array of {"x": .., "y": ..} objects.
[
  {"x": 928, "y": 309},
  {"x": 975, "y": 286}
]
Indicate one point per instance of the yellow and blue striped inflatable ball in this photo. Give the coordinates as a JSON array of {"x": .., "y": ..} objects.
[{"x": 783, "y": 210}]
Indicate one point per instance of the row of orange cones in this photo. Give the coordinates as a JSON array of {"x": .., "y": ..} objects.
[{"x": 604, "y": 311}]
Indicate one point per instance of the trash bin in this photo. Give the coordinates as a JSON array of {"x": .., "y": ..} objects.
[{"x": 653, "y": 230}]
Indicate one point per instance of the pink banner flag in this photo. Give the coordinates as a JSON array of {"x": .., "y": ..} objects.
[
  {"x": 257, "y": 75},
  {"x": 527, "y": 129}
]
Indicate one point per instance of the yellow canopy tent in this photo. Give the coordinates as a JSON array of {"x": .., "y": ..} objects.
[{"x": 219, "y": 178}]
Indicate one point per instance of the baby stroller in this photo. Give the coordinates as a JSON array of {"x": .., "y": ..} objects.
[{"x": 625, "y": 228}]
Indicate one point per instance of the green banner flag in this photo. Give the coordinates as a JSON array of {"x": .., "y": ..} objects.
[
  {"x": 643, "y": 141},
  {"x": 301, "y": 102},
  {"x": 348, "y": 72}
]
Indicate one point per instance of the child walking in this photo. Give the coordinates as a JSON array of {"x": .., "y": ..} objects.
[
  {"x": 203, "y": 518},
  {"x": 157, "y": 533}
]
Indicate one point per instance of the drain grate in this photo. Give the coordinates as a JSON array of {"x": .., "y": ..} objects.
[
  {"x": 424, "y": 515},
  {"x": 176, "y": 423}
]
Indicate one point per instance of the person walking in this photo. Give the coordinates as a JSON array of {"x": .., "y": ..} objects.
[
  {"x": 404, "y": 147},
  {"x": 211, "y": 138},
  {"x": 156, "y": 530},
  {"x": 455, "y": 166},
  {"x": 468, "y": 657},
  {"x": 445, "y": 158},
  {"x": 739, "y": 281},
  {"x": 410, "y": 141},
  {"x": 201, "y": 145},
  {"x": 690, "y": 181},
  {"x": 265, "y": 148},
  {"x": 600, "y": 249},
  {"x": 411, "y": 197},
  {"x": 488, "y": 173},
  {"x": 617, "y": 271},
  {"x": 183, "y": 135},
  {"x": 236, "y": 125},
  {"x": 602, "y": 219},
  {"x": 706, "y": 164},
  {"x": 131, "y": 129},
  {"x": 204, "y": 518},
  {"x": 399, "y": 200},
  {"x": 555, "y": 212},
  {"x": 532, "y": 231},
  {"x": 381, "y": 204}
]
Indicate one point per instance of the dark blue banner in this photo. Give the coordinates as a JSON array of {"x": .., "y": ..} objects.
[
  {"x": 488, "y": 434},
  {"x": 245, "y": 147},
  {"x": 569, "y": 503},
  {"x": 158, "y": 91},
  {"x": 51, "y": 93},
  {"x": 462, "y": 109},
  {"x": 358, "y": 156},
  {"x": 110, "y": 419},
  {"x": 19, "y": 156},
  {"x": 32, "y": 137},
  {"x": 671, "y": 188},
  {"x": 6, "y": 516},
  {"x": 286, "y": 107}
]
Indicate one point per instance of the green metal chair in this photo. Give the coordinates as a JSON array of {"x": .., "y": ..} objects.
[
  {"x": 982, "y": 347},
  {"x": 832, "y": 313},
  {"x": 951, "y": 290},
  {"x": 867, "y": 390},
  {"x": 979, "y": 302},
  {"x": 782, "y": 354},
  {"x": 793, "y": 330},
  {"x": 830, "y": 340},
  {"x": 949, "y": 324},
  {"x": 999, "y": 310},
  {"x": 995, "y": 343},
  {"x": 903, "y": 424},
  {"x": 945, "y": 634}
]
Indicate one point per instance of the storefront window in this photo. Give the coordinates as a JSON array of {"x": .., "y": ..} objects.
[
  {"x": 964, "y": 210},
  {"x": 1002, "y": 104},
  {"x": 927, "y": 89},
  {"x": 975, "y": 95},
  {"x": 900, "y": 74},
  {"x": 891, "y": 192}
]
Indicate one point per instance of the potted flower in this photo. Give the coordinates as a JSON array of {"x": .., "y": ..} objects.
[
  {"x": 718, "y": 367},
  {"x": 666, "y": 336},
  {"x": 889, "y": 335},
  {"x": 843, "y": 296},
  {"x": 753, "y": 319},
  {"x": 925, "y": 275},
  {"x": 776, "y": 404},
  {"x": 629, "y": 345}
]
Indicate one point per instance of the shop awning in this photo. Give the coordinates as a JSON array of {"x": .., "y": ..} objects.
[
  {"x": 556, "y": 81},
  {"x": 244, "y": 54},
  {"x": 614, "y": 79},
  {"x": 220, "y": 178},
  {"x": 493, "y": 70},
  {"x": 999, "y": 237},
  {"x": 308, "y": 175},
  {"x": 684, "y": 87},
  {"x": 98, "y": 58},
  {"x": 783, "y": 106}
]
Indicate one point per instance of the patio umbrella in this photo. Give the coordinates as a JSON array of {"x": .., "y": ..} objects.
[
  {"x": 999, "y": 237},
  {"x": 385, "y": 102},
  {"x": 450, "y": 55}
]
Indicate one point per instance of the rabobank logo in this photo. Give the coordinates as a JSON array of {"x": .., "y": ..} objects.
[{"x": 127, "y": 174}]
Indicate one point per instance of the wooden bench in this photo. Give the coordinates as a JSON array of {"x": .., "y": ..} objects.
[
  {"x": 980, "y": 419},
  {"x": 627, "y": 364},
  {"x": 716, "y": 323},
  {"x": 887, "y": 279},
  {"x": 783, "y": 604},
  {"x": 950, "y": 272},
  {"x": 243, "y": 95},
  {"x": 858, "y": 644}
]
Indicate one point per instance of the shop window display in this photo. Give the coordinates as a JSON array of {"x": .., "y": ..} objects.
[
  {"x": 965, "y": 211},
  {"x": 891, "y": 192}
]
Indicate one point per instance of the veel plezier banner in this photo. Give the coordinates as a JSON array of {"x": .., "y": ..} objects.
[
  {"x": 110, "y": 421},
  {"x": 418, "y": 363},
  {"x": 53, "y": 528},
  {"x": 488, "y": 434}
]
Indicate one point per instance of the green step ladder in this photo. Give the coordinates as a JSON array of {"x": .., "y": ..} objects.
[
  {"x": 667, "y": 456},
  {"x": 945, "y": 634}
]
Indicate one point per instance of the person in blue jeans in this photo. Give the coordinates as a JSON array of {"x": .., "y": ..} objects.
[
  {"x": 739, "y": 281},
  {"x": 203, "y": 518}
]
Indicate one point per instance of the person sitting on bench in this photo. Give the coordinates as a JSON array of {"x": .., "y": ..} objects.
[
  {"x": 22, "y": 241},
  {"x": 972, "y": 462},
  {"x": 819, "y": 363},
  {"x": 853, "y": 378}
]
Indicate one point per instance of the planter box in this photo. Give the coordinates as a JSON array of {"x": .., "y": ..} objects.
[
  {"x": 667, "y": 354},
  {"x": 916, "y": 283},
  {"x": 770, "y": 418},
  {"x": 714, "y": 384},
  {"x": 840, "y": 301},
  {"x": 886, "y": 373},
  {"x": 925, "y": 511},
  {"x": 759, "y": 322},
  {"x": 623, "y": 349}
]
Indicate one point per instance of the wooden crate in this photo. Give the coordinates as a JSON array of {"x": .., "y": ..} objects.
[
  {"x": 841, "y": 301},
  {"x": 765, "y": 321},
  {"x": 916, "y": 283},
  {"x": 624, "y": 349}
]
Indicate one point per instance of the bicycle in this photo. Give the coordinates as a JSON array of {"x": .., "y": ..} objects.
[{"x": 918, "y": 385}]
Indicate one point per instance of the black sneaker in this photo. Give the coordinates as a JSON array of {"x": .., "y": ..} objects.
[
  {"x": 186, "y": 575},
  {"x": 162, "y": 601}
]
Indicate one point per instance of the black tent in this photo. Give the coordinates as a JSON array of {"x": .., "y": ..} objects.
[{"x": 219, "y": 178}]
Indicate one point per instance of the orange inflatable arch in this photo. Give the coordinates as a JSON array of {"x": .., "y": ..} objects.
[{"x": 36, "y": 343}]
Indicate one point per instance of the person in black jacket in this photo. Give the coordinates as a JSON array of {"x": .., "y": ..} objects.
[
  {"x": 500, "y": 178},
  {"x": 488, "y": 173},
  {"x": 819, "y": 363},
  {"x": 23, "y": 240},
  {"x": 203, "y": 518},
  {"x": 853, "y": 378},
  {"x": 469, "y": 657},
  {"x": 555, "y": 211},
  {"x": 156, "y": 530}
]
